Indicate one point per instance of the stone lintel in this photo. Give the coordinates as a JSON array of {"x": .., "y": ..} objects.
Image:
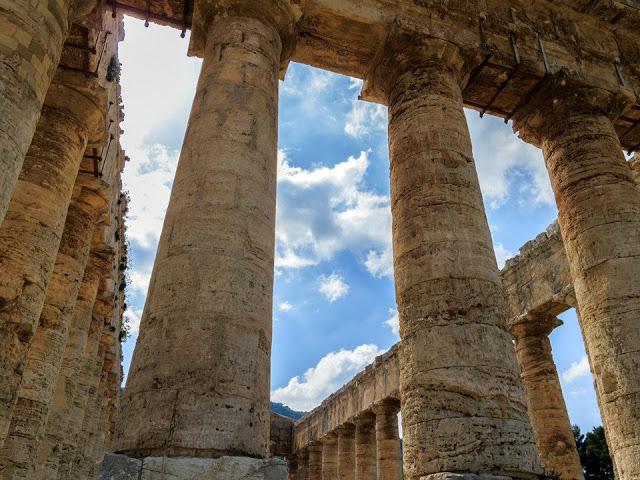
[
  {"x": 463, "y": 476},
  {"x": 121, "y": 467}
]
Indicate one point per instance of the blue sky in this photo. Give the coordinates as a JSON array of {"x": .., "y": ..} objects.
[{"x": 334, "y": 306}]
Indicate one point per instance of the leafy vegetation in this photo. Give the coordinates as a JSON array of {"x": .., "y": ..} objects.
[{"x": 594, "y": 454}]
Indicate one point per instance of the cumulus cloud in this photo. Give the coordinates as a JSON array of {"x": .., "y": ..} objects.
[
  {"x": 333, "y": 287},
  {"x": 324, "y": 210},
  {"x": 502, "y": 254},
  {"x": 365, "y": 119},
  {"x": 140, "y": 279},
  {"x": 506, "y": 164},
  {"x": 393, "y": 322},
  {"x": 285, "y": 306},
  {"x": 133, "y": 316},
  {"x": 577, "y": 370},
  {"x": 380, "y": 262},
  {"x": 306, "y": 391}
]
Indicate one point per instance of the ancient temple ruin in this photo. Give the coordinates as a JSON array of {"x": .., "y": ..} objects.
[{"x": 473, "y": 374}]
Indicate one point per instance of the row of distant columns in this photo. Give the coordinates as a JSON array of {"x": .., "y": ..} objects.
[
  {"x": 201, "y": 366},
  {"x": 60, "y": 304},
  {"x": 367, "y": 449}
]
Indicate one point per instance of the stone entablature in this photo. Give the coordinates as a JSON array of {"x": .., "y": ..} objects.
[
  {"x": 519, "y": 42},
  {"x": 376, "y": 384}
]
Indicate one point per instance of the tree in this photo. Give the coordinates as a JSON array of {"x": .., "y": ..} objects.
[{"x": 594, "y": 454}]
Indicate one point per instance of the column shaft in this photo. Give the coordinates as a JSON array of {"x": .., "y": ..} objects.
[
  {"x": 315, "y": 462},
  {"x": 365, "y": 447},
  {"x": 389, "y": 457},
  {"x": 599, "y": 217},
  {"x": 201, "y": 368},
  {"x": 330, "y": 457},
  {"x": 57, "y": 429},
  {"x": 547, "y": 410},
  {"x": 33, "y": 34},
  {"x": 303, "y": 465},
  {"x": 463, "y": 405},
  {"x": 346, "y": 452},
  {"x": 29, "y": 240},
  {"x": 44, "y": 358},
  {"x": 294, "y": 471}
]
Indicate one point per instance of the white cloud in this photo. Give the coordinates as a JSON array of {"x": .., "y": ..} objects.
[
  {"x": 140, "y": 281},
  {"x": 285, "y": 306},
  {"x": 502, "y": 254},
  {"x": 332, "y": 371},
  {"x": 333, "y": 287},
  {"x": 380, "y": 263},
  {"x": 133, "y": 316},
  {"x": 577, "y": 370},
  {"x": 505, "y": 162},
  {"x": 365, "y": 119},
  {"x": 325, "y": 210},
  {"x": 393, "y": 322}
]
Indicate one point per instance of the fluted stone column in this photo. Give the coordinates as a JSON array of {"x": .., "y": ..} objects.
[
  {"x": 346, "y": 452},
  {"x": 365, "y": 447},
  {"x": 463, "y": 406},
  {"x": 200, "y": 376},
  {"x": 59, "y": 424},
  {"x": 294, "y": 471},
  {"x": 33, "y": 33},
  {"x": 599, "y": 218},
  {"x": 315, "y": 461},
  {"x": 19, "y": 455},
  {"x": 389, "y": 456},
  {"x": 547, "y": 410},
  {"x": 303, "y": 464},
  {"x": 330, "y": 457},
  {"x": 31, "y": 232}
]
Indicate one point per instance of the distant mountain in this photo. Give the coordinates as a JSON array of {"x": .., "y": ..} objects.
[{"x": 282, "y": 409}]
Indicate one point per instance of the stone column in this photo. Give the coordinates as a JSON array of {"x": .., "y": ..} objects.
[
  {"x": 330, "y": 457},
  {"x": 315, "y": 461},
  {"x": 463, "y": 406},
  {"x": 547, "y": 410},
  {"x": 200, "y": 376},
  {"x": 599, "y": 218},
  {"x": 31, "y": 232},
  {"x": 33, "y": 33},
  {"x": 389, "y": 456},
  {"x": 58, "y": 427},
  {"x": 18, "y": 456},
  {"x": 303, "y": 464},
  {"x": 346, "y": 452},
  {"x": 294, "y": 471},
  {"x": 365, "y": 447}
]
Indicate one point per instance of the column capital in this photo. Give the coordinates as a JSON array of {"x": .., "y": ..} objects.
[
  {"x": 345, "y": 429},
  {"x": 561, "y": 96},
  {"x": 283, "y": 15},
  {"x": 330, "y": 438},
  {"x": 411, "y": 52},
  {"x": 364, "y": 419},
  {"x": 533, "y": 325},
  {"x": 388, "y": 406}
]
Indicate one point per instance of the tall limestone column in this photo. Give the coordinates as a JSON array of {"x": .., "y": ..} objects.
[
  {"x": 365, "y": 447},
  {"x": 294, "y": 471},
  {"x": 547, "y": 410},
  {"x": 59, "y": 425},
  {"x": 346, "y": 452},
  {"x": 315, "y": 461},
  {"x": 30, "y": 234},
  {"x": 330, "y": 457},
  {"x": 44, "y": 359},
  {"x": 599, "y": 217},
  {"x": 200, "y": 375},
  {"x": 389, "y": 456},
  {"x": 463, "y": 406},
  {"x": 303, "y": 464},
  {"x": 33, "y": 33}
]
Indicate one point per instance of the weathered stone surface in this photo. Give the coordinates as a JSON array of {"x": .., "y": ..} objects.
[
  {"x": 388, "y": 454},
  {"x": 346, "y": 452},
  {"x": 463, "y": 405},
  {"x": 120, "y": 467},
  {"x": 462, "y": 476},
  {"x": 330, "y": 457},
  {"x": 201, "y": 369},
  {"x": 599, "y": 217},
  {"x": 281, "y": 435},
  {"x": 365, "y": 447},
  {"x": 546, "y": 407},
  {"x": 30, "y": 46}
]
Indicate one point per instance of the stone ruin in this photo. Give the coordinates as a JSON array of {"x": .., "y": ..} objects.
[{"x": 196, "y": 403}]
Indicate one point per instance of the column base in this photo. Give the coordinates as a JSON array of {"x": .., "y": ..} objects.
[
  {"x": 462, "y": 476},
  {"x": 121, "y": 467}
]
